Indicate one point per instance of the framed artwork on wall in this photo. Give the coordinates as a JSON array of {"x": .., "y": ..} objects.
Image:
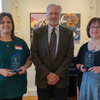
[{"x": 69, "y": 20}]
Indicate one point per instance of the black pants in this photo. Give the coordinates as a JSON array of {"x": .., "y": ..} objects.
[
  {"x": 72, "y": 88},
  {"x": 52, "y": 92},
  {"x": 18, "y": 98}
]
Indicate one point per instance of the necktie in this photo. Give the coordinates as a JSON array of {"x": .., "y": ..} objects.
[{"x": 52, "y": 46}]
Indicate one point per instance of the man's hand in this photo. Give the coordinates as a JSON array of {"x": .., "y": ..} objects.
[{"x": 52, "y": 79}]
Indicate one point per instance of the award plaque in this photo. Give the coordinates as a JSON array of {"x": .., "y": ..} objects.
[
  {"x": 89, "y": 59},
  {"x": 15, "y": 62}
]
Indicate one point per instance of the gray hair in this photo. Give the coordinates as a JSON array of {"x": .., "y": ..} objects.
[{"x": 54, "y": 5}]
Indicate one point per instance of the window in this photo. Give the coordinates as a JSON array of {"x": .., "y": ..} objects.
[{"x": 0, "y": 6}]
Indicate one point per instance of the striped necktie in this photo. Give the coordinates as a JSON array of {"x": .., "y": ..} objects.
[{"x": 52, "y": 46}]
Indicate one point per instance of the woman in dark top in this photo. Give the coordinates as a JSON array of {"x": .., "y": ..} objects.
[
  {"x": 14, "y": 61},
  {"x": 90, "y": 86}
]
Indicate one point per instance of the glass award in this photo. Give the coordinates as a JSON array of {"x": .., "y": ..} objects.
[
  {"x": 89, "y": 59},
  {"x": 15, "y": 62}
]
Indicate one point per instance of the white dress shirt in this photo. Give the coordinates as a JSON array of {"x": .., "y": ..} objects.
[{"x": 57, "y": 34}]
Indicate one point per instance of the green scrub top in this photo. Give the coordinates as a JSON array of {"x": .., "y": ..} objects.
[{"x": 14, "y": 86}]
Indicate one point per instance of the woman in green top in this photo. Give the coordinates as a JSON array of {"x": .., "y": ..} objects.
[{"x": 14, "y": 61}]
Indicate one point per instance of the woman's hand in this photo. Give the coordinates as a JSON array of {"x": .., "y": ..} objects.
[
  {"x": 81, "y": 67},
  {"x": 22, "y": 70},
  {"x": 28, "y": 63},
  {"x": 7, "y": 72},
  {"x": 95, "y": 69}
]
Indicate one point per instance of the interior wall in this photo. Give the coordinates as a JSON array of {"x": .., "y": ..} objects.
[
  {"x": 21, "y": 10},
  {"x": 7, "y": 6},
  {"x": 98, "y": 8}
]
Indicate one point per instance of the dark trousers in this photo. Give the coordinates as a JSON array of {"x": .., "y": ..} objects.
[
  {"x": 18, "y": 98},
  {"x": 52, "y": 92}
]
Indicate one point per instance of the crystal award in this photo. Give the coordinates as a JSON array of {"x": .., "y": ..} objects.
[
  {"x": 15, "y": 62},
  {"x": 89, "y": 59}
]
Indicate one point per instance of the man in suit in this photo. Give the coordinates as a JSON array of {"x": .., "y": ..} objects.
[{"x": 51, "y": 64}]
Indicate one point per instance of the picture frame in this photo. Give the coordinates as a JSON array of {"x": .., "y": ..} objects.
[{"x": 69, "y": 20}]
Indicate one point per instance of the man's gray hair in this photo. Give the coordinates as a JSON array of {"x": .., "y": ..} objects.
[{"x": 54, "y": 5}]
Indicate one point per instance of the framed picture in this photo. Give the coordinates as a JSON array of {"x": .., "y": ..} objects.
[{"x": 69, "y": 20}]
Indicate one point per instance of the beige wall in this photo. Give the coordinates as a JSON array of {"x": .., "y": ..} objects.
[
  {"x": 98, "y": 8},
  {"x": 7, "y": 6},
  {"x": 21, "y": 10}
]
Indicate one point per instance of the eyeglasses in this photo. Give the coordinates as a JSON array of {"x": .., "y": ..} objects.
[{"x": 95, "y": 27}]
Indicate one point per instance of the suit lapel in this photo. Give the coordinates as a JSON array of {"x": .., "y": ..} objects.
[
  {"x": 62, "y": 38},
  {"x": 45, "y": 40}
]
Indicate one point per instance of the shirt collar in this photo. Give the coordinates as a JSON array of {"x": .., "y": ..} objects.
[{"x": 50, "y": 27}]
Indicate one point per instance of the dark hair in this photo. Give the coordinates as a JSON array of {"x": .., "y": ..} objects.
[
  {"x": 93, "y": 20},
  {"x": 11, "y": 18}
]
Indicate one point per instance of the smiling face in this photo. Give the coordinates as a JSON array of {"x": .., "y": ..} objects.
[
  {"x": 53, "y": 16},
  {"x": 5, "y": 25},
  {"x": 95, "y": 30}
]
